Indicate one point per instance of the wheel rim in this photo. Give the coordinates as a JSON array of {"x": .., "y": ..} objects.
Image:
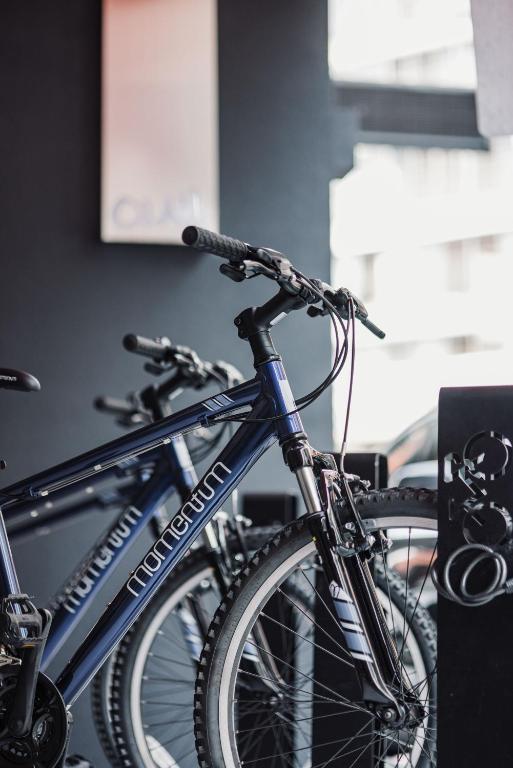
[
  {"x": 420, "y": 754},
  {"x": 172, "y": 751}
]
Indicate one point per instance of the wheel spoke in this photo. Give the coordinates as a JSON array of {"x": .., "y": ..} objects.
[{"x": 284, "y": 711}]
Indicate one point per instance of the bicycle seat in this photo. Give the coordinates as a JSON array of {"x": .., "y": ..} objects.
[{"x": 20, "y": 380}]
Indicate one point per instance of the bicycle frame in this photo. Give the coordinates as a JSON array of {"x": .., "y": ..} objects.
[
  {"x": 268, "y": 395},
  {"x": 27, "y": 520},
  {"x": 76, "y": 595}
]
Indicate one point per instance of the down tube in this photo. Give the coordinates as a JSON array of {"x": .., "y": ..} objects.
[
  {"x": 244, "y": 449},
  {"x": 75, "y": 597}
]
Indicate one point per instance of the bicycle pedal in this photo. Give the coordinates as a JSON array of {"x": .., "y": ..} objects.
[{"x": 77, "y": 761}]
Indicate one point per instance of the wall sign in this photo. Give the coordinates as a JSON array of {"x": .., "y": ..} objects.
[{"x": 159, "y": 119}]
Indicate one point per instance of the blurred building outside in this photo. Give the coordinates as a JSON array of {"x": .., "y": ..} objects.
[{"x": 423, "y": 235}]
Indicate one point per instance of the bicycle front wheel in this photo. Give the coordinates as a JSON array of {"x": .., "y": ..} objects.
[{"x": 305, "y": 711}]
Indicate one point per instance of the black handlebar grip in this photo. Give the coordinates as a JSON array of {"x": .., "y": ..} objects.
[
  {"x": 157, "y": 350},
  {"x": 220, "y": 245},
  {"x": 113, "y": 405},
  {"x": 372, "y": 328}
]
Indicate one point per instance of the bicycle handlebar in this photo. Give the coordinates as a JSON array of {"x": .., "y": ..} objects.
[
  {"x": 248, "y": 261},
  {"x": 115, "y": 405},
  {"x": 219, "y": 245},
  {"x": 188, "y": 370},
  {"x": 372, "y": 327},
  {"x": 158, "y": 349}
]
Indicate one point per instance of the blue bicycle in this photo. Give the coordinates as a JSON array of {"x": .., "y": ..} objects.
[
  {"x": 248, "y": 685},
  {"x": 124, "y": 716},
  {"x": 225, "y": 545}
]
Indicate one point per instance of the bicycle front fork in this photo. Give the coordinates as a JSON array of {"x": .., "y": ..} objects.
[{"x": 355, "y": 603}]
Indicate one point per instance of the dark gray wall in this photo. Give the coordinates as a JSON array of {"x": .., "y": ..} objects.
[{"x": 66, "y": 299}]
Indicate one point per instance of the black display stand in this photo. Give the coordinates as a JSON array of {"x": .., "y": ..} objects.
[
  {"x": 475, "y": 645},
  {"x": 369, "y": 466},
  {"x": 270, "y": 508}
]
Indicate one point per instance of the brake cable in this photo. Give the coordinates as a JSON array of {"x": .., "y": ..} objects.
[
  {"x": 336, "y": 369},
  {"x": 352, "y": 325}
]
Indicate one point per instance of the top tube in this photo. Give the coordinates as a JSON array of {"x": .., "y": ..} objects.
[{"x": 90, "y": 464}]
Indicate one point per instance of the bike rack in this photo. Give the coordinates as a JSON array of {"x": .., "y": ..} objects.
[
  {"x": 372, "y": 467},
  {"x": 475, "y": 659},
  {"x": 270, "y": 508}
]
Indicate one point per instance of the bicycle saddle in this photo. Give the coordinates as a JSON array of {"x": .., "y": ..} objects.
[{"x": 20, "y": 380}]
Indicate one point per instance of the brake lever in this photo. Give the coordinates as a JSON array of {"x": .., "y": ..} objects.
[
  {"x": 239, "y": 271},
  {"x": 340, "y": 299},
  {"x": 276, "y": 261},
  {"x": 361, "y": 312},
  {"x": 157, "y": 369},
  {"x": 234, "y": 270},
  {"x": 133, "y": 420}
]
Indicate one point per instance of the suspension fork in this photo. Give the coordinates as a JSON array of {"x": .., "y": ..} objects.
[
  {"x": 352, "y": 592},
  {"x": 355, "y": 608}
]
